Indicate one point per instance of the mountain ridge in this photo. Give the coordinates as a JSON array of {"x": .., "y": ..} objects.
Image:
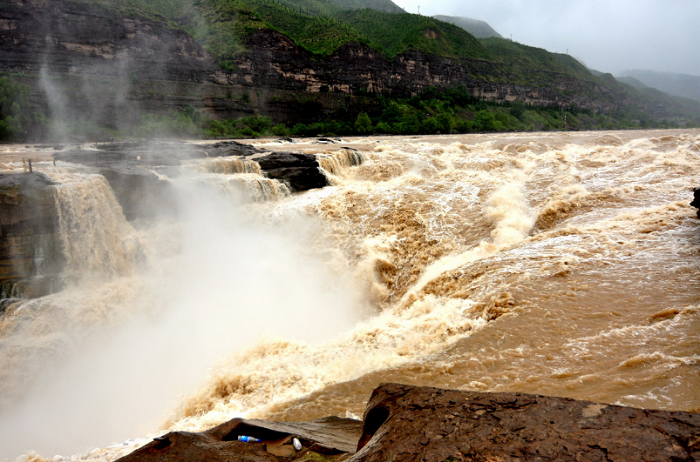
[
  {"x": 235, "y": 58},
  {"x": 683, "y": 85},
  {"x": 479, "y": 29}
]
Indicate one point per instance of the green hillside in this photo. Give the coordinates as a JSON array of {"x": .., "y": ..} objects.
[
  {"x": 386, "y": 6},
  {"x": 319, "y": 34},
  {"x": 478, "y": 29},
  {"x": 523, "y": 63},
  {"x": 394, "y": 33},
  {"x": 330, "y": 7},
  {"x": 321, "y": 26},
  {"x": 222, "y": 23}
]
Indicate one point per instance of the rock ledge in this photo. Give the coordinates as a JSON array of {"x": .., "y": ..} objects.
[{"x": 407, "y": 423}]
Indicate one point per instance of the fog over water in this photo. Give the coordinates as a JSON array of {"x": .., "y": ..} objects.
[{"x": 609, "y": 36}]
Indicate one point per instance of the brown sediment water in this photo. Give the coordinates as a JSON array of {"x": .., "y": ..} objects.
[{"x": 563, "y": 264}]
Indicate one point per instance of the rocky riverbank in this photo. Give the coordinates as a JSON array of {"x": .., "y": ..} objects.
[
  {"x": 31, "y": 257},
  {"x": 130, "y": 169},
  {"x": 406, "y": 423},
  {"x": 30, "y": 252}
]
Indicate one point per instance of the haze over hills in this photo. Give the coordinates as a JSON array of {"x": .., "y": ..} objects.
[
  {"x": 632, "y": 82},
  {"x": 479, "y": 29},
  {"x": 683, "y": 85}
]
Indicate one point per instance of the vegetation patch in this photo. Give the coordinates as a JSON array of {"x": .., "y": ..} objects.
[
  {"x": 395, "y": 33},
  {"x": 16, "y": 119}
]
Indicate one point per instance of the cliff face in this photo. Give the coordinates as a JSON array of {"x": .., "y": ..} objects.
[
  {"x": 274, "y": 61},
  {"x": 111, "y": 66},
  {"x": 30, "y": 250},
  {"x": 82, "y": 59}
]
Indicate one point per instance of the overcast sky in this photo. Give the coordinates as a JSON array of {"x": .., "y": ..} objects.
[{"x": 607, "y": 35}]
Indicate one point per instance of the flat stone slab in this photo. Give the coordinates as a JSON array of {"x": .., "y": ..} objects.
[
  {"x": 324, "y": 439},
  {"x": 405, "y": 423}
]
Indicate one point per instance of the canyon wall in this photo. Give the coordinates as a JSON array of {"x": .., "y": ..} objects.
[{"x": 111, "y": 66}]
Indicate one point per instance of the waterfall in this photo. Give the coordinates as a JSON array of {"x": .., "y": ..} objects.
[{"x": 96, "y": 238}]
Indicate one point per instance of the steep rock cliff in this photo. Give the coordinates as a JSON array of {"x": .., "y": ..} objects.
[
  {"x": 30, "y": 249},
  {"x": 273, "y": 61},
  {"x": 110, "y": 66}
]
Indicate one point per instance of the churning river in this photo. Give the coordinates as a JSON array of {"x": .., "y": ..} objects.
[{"x": 563, "y": 264}]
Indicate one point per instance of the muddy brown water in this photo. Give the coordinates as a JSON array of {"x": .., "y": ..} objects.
[{"x": 563, "y": 264}]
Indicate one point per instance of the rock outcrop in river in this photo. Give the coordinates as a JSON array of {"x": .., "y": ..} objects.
[
  {"x": 129, "y": 169},
  {"x": 696, "y": 200},
  {"x": 138, "y": 174},
  {"x": 406, "y": 423}
]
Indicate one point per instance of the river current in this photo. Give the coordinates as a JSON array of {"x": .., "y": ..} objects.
[{"x": 564, "y": 264}]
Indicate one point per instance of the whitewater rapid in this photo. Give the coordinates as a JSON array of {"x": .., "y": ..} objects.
[{"x": 562, "y": 264}]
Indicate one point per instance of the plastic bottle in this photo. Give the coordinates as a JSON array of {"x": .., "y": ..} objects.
[{"x": 248, "y": 439}]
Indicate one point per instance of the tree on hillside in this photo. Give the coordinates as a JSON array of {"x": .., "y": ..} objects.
[
  {"x": 363, "y": 124},
  {"x": 13, "y": 109}
]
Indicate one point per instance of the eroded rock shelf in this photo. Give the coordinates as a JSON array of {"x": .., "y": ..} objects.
[{"x": 407, "y": 423}]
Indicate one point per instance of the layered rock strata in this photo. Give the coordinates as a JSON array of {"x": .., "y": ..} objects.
[
  {"x": 279, "y": 64},
  {"x": 111, "y": 66},
  {"x": 31, "y": 258},
  {"x": 324, "y": 439},
  {"x": 30, "y": 250}
]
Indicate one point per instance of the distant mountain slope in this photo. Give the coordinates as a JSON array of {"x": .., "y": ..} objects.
[
  {"x": 686, "y": 86},
  {"x": 631, "y": 81},
  {"x": 329, "y": 7},
  {"x": 525, "y": 62},
  {"x": 647, "y": 101},
  {"x": 395, "y": 33},
  {"x": 276, "y": 45},
  {"x": 479, "y": 29}
]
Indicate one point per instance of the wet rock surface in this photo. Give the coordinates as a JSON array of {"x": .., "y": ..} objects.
[
  {"x": 299, "y": 170},
  {"x": 130, "y": 169},
  {"x": 31, "y": 257},
  {"x": 30, "y": 249},
  {"x": 696, "y": 200},
  {"x": 325, "y": 439},
  {"x": 407, "y": 423},
  {"x": 421, "y": 423}
]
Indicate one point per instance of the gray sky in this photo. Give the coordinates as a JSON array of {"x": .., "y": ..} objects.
[{"x": 607, "y": 35}]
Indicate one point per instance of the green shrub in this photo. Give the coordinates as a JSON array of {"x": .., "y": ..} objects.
[
  {"x": 485, "y": 121},
  {"x": 363, "y": 124},
  {"x": 444, "y": 123},
  {"x": 429, "y": 126},
  {"x": 281, "y": 130},
  {"x": 172, "y": 125},
  {"x": 14, "y": 109}
]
